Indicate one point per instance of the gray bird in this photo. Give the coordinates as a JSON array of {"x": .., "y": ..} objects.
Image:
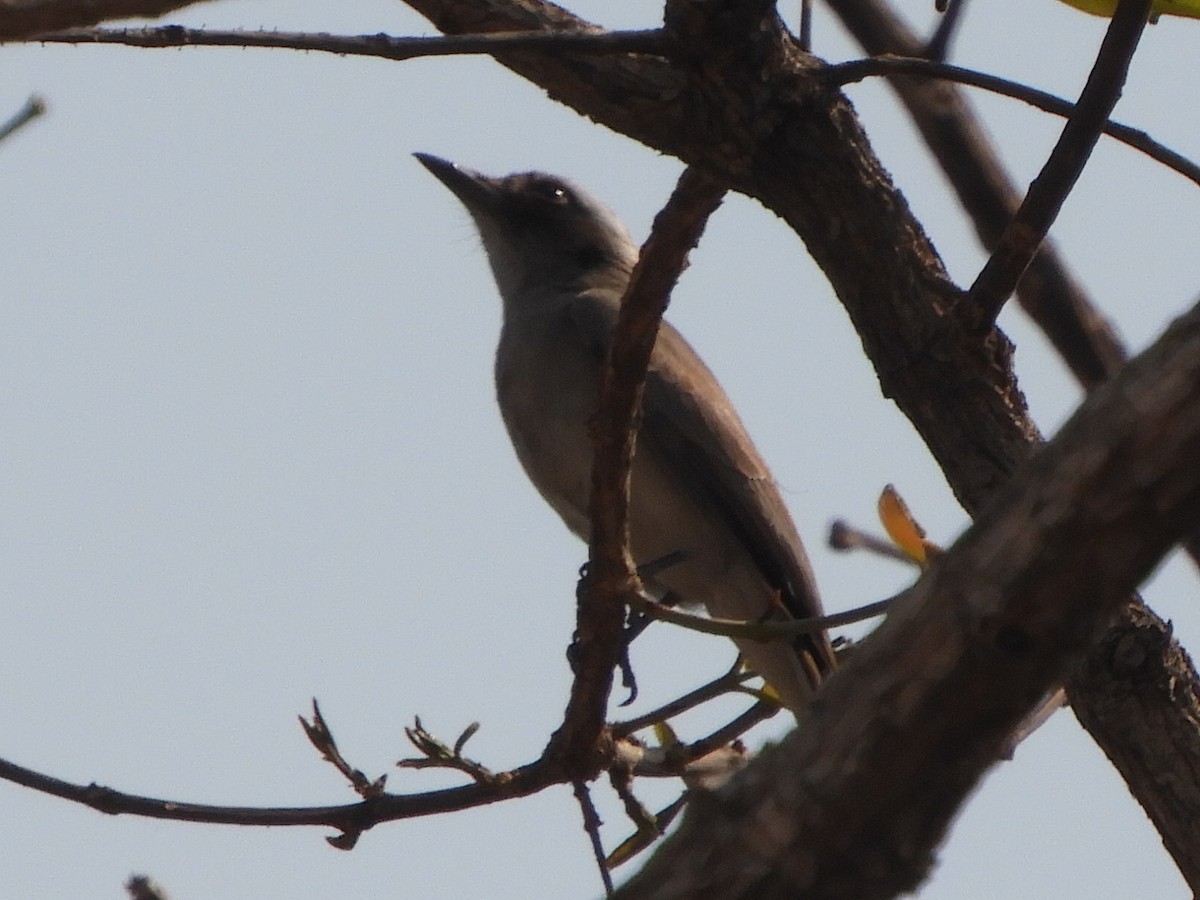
[{"x": 562, "y": 261}]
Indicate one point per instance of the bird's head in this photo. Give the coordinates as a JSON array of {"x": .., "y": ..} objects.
[{"x": 541, "y": 233}]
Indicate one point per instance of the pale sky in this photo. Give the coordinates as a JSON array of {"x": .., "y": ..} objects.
[{"x": 251, "y": 453}]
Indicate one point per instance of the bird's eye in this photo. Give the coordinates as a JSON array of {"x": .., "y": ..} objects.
[{"x": 553, "y": 192}]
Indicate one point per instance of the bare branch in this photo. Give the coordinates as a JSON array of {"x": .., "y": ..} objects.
[
  {"x": 320, "y": 736},
  {"x": 375, "y": 45},
  {"x": 439, "y": 755},
  {"x": 1024, "y": 235},
  {"x": 1048, "y": 293},
  {"x": 844, "y": 536},
  {"x": 858, "y": 69},
  {"x": 591, "y": 824},
  {"x": 354, "y": 817},
  {"x": 28, "y": 18},
  {"x": 901, "y": 734},
  {"x": 756, "y": 631},
  {"x": 611, "y": 581},
  {"x": 724, "y": 684}
]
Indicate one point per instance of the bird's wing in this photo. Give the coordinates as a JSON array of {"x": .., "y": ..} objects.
[{"x": 708, "y": 443}]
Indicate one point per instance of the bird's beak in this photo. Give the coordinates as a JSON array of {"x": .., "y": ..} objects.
[{"x": 476, "y": 192}]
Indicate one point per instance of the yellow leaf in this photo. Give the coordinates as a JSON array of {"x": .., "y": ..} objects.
[
  {"x": 1188, "y": 8},
  {"x": 665, "y": 734},
  {"x": 901, "y": 527}
]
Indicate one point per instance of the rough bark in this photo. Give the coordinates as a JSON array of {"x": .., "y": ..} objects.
[
  {"x": 853, "y": 802},
  {"x": 736, "y": 98},
  {"x": 25, "y": 18}
]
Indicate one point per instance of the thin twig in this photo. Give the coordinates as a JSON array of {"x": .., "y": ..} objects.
[
  {"x": 34, "y": 107},
  {"x": 439, "y": 755},
  {"x": 375, "y": 45},
  {"x": 724, "y": 684},
  {"x": 890, "y": 65},
  {"x": 1024, "y": 235},
  {"x": 621, "y": 780},
  {"x": 321, "y": 737},
  {"x": 591, "y": 824},
  {"x": 757, "y": 631},
  {"x": 939, "y": 44},
  {"x": 844, "y": 536}
]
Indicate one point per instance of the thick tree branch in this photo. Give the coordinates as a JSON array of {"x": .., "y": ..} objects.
[
  {"x": 853, "y": 803},
  {"x": 739, "y": 101},
  {"x": 1136, "y": 695},
  {"x": 1048, "y": 293},
  {"x": 26, "y": 18},
  {"x": 1113, "y": 702}
]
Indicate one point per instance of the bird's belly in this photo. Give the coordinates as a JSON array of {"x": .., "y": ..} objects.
[{"x": 664, "y": 518}]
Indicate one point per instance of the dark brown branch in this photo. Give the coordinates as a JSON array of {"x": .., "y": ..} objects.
[
  {"x": 844, "y": 536},
  {"x": 1136, "y": 695},
  {"x": 1111, "y": 702},
  {"x": 1048, "y": 293},
  {"x": 939, "y": 44},
  {"x": 859, "y": 69},
  {"x": 1029, "y": 227},
  {"x": 347, "y": 818},
  {"x": 901, "y": 734},
  {"x": 321, "y": 737},
  {"x": 26, "y": 18},
  {"x": 743, "y": 111},
  {"x": 376, "y": 45},
  {"x": 611, "y": 581}
]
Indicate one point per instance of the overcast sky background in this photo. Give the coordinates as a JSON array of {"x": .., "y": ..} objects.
[{"x": 251, "y": 454}]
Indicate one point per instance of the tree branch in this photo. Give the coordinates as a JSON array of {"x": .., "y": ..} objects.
[
  {"x": 611, "y": 582},
  {"x": 899, "y": 737},
  {"x": 27, "y": 18},
  {"x": 746, "y": 109},
  {"x": 845, "y": 73},
  {"x": 375, "y": 45},
  {"x": 1029, "y": 227},
  {"x": 1048, "y": 293},
  {"x": 1112, "y": 702}
]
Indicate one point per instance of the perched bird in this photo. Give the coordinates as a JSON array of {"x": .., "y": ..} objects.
[
  {"x": 1186, "y": 8},
  {"x": 562, "y": 260}
]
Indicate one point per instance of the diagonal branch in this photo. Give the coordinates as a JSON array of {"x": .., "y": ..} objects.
[
  {"x": 1048, "y": 293},
  {"x": 903, "y": 732},
  {"x": 1029, "y": 227},
  {"x": 611, "y": 580},
  {"x": 34, "y": 107},
  {"x": 1144, "y": 716},
  {"x": 26, "y": 18},
  {"x": 738, "y": 101}
]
